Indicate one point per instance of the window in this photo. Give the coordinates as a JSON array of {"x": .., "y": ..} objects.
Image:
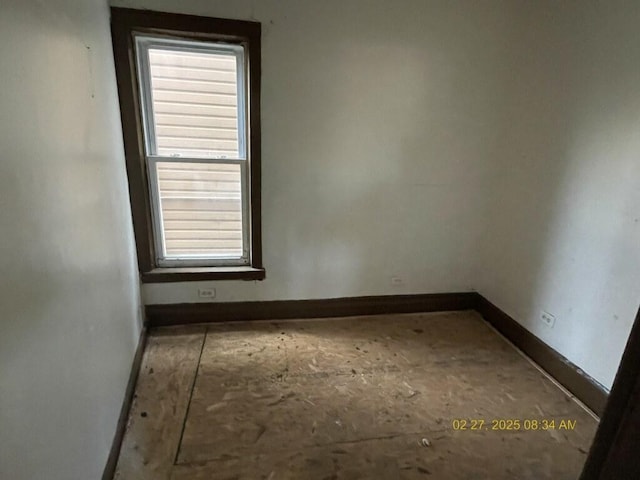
[{"x": 189, "y": 101}]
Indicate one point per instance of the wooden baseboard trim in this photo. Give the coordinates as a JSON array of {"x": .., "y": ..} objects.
[
  {"x": 114, "y": 452},
  {"x": 585, "y": 388},
  {"x": 187, "y": 313}
]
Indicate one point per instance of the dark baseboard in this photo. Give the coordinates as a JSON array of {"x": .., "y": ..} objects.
[
  {"x": 585, "y": 388},
  {"x": 114, "y": 453},
  {"x": 184, "y": 313}
]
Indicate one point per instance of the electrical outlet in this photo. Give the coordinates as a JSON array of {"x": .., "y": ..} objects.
[
  {"x": 395, "y": 280},
  {"x": 207, "y": 292},
  {"x": 548, "y": 319}
]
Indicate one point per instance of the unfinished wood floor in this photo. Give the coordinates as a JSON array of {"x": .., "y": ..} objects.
[{"x": 348, "y": 398}]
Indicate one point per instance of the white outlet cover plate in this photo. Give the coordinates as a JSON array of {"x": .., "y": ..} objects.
[
  {"x": 206, "y": 292},
  {"x": 548, "y": 319}
]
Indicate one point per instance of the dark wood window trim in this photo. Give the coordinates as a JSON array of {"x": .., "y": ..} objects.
[{"x": 124, "y": 22}]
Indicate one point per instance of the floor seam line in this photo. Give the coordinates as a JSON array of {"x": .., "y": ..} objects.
[
  {"x": 193, "y": 386},
  {"x": 321, "y": 445},
  {"x": 546, "y": 374}
]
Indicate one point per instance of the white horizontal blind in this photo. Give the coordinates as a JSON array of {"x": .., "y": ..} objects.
[{"x": 194, "y": 110}]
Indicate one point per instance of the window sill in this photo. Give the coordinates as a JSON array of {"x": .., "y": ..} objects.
[{"x": 195, "y": 274}]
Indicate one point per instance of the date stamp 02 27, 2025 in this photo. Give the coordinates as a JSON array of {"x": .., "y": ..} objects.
[{"x": 503, "y": 424}]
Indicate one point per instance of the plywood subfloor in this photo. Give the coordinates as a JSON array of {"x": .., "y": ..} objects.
[{"x": 373, "y": 397}]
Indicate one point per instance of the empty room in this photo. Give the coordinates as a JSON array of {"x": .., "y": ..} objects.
[{"x": 319, "y": 239}]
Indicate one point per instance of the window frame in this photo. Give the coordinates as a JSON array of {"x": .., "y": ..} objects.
[
  {"x": 126, "y": 24},
  {"x": 144, "y": 43}
]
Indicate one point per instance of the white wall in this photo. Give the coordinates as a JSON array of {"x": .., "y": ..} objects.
[
  {"x": 564, "y": 234},
  {"x": 394, "y": 133},
  {"x": 377, "y": 123},
  {"x": 68, "y": 285},
  {"x": 489, "y": 145}
]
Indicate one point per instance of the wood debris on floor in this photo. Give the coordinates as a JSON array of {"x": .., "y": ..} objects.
[{"x": 383, "y": 397}]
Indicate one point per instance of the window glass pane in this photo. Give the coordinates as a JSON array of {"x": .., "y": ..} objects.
[
  {"x": 201, "y": 209},
  {"x": 194, "y": 97}
]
